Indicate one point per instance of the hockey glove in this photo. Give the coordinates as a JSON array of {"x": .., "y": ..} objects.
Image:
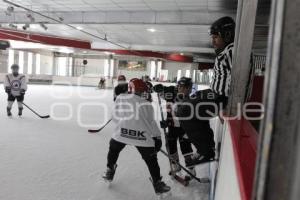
[
  {"x": 7, "y": 90},
  {"x": 22, "y": 92},
  {"x": 158, "y": 143},
  {"x": 158, "y": 88},
  {"x": 163, "y": 124}
]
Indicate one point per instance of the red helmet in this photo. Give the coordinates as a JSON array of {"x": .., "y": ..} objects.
[
  {"x": 136, "y": 85},
  {"x": 121, "y": 78}
]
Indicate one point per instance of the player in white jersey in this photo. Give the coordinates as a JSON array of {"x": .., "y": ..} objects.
[
  {"x": 136, "y": 126},
  {"x": 15, "y": 86}
]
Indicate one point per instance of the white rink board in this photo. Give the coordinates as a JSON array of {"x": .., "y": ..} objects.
[{"x": 227, "y": 187}]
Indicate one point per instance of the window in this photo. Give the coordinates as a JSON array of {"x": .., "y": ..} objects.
[
  {"x": 188, "y": 73},
  {"x": 106, "y": 68},
  {"x": 29, "y": 67},
  {"x": 38, "y": 64},
  {"x": 152, "y": 69},
  {"x": 21, "y": 61},
  {"x": 62, "y": 66},
  {"x": 70, "y": 66},
  {"x": 112, "y": 62},
  {"x": 159, "y": 66},
  {"x": 11, "y": 57},
  {"x": 194, "y": 76},
  {"x": 178, "y": 74},
  {"x": 164, "y": 75}
]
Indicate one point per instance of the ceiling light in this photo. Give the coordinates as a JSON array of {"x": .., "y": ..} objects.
[
  {"x": 109, "y": 53},
  {"x": 65, "y": 50},
  {"x": 27, "y": 45},
  {"x": 152, "y": 30},
  {"x": 79, "y": 28}
]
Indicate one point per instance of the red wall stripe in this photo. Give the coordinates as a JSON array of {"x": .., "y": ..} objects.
[
  {"x": 171, "y": 57},
  {"x": 8, "y": 34},
  {"x": 244, "y": 140}
]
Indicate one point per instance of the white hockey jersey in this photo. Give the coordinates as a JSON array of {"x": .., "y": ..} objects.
[
  {"x": 135, "y": 123},
  {"x": 15, "y": 83}
]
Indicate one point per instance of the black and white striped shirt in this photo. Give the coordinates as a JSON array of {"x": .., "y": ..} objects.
[{"x": 222, "y": 72}]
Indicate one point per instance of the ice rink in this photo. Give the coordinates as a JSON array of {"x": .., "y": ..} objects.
[{"x": 57, "y": 159}]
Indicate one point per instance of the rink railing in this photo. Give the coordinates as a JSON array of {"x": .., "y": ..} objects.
[{"x": 237, "y": 161}]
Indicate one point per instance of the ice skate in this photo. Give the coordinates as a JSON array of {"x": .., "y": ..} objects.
[
  {"x": 108, "y": 176},
  {"x": 20, "y": 112},
  {"x": 161, "y": 189},
  {"x": 8, "y": 112},
  {"x": 198, "y": 159},
  {"x": 177, "y": 175},
  {"x": 193, "y": 171},
  {"x": 175, "y": 168}
]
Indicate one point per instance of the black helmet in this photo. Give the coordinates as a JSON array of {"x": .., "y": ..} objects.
[
  {"x": 121, "y": 78},
  {"x": 185, "y": 81},
  {"x": 14, "y": 66},
  {"x": 225, "y": 27}
]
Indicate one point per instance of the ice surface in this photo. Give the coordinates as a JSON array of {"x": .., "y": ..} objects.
[{"x": 57, "y": 159}]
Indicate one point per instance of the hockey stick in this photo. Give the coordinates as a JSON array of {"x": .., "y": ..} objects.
[
  {"x": 178, "y": 178},
  {"x": 43, "y": 117},
  {"x": 185, "y": 169},
  {"x": 98, "y": 130}
]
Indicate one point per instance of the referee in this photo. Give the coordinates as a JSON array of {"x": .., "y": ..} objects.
[{"x": 222, "y": 35}]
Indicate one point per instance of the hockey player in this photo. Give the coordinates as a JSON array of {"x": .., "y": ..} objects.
[
  {"x": 175, "y": 132},
  {"x": 137, "y": 128},
  {"x": 101, "y": 84},
  {"x": 15, "y": 86},
  {"x": 198, "y": 127},
  {"x": 122, "y": 86},
  {"x": 147, "y": 80},
  {"x": 198, "y": 130}
]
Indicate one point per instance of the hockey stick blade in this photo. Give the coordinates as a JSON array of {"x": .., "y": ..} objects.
[
  {"x": 181, "y": 180},
  {"x": 94, "y": 130},
  {"x": 100, "y": 129},
  {"x": 42, "y": 117},
  {"x": 45, "y": 117},
  {"x": 182, "y": 167}
]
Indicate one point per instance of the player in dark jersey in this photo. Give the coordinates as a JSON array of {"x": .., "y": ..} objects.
[
  {"x": 175, "y": 132},
  {"x": 101, "y": 84},
  {"x": 122, "y": 86}
]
